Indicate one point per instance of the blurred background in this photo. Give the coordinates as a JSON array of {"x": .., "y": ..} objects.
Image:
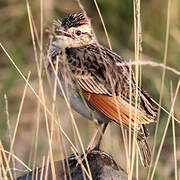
[{"x": 15, "y": 36}]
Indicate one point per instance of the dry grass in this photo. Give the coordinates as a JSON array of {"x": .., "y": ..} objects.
[{"x": 46, "y": 129}]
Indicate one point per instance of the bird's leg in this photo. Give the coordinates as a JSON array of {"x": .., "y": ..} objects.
[
  {"x": 101, "y": 135},
  {"x": 92, "y": 139},
  {"x": 94, "y": 136}
]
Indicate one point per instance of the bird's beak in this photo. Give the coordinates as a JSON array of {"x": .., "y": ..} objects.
[{"x": 60, "y": 32}]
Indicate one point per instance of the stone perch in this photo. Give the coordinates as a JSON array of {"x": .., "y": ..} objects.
[{"x": 102, "y": 167}]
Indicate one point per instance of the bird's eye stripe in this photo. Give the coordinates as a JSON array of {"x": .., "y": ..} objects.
[{"x": 62, "y": 33}]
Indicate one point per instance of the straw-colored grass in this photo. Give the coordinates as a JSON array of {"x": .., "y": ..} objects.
[{"x": 43, "y": 127}]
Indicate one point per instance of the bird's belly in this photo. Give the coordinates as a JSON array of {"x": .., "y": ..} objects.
[{"x": 79, "y": 104}]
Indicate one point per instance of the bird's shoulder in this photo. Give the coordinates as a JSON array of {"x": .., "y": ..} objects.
[
  {"x": 103, "y": 66},
  {"x": 97, "y": 58}
]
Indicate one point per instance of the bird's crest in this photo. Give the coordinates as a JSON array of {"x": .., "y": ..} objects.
[{"x": 74, "y": 20}]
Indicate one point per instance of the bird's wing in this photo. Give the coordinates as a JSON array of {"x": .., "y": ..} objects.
[
  {"x": 106, "y": 86},
  {"x": 117, "y": 109}
]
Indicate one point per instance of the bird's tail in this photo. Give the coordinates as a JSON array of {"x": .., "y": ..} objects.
[{"x": 144, "y": 152}]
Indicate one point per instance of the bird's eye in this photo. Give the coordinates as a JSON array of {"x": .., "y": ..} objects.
[{"x": 78, "y": 33}]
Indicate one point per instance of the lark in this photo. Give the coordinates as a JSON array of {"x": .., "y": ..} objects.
[{"x": 98, "y": 83}]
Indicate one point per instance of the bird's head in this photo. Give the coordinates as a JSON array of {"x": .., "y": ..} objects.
[{"x": 74, "y": 31}]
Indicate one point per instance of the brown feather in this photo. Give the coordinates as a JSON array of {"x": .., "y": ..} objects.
[{"x": 117, "y": 110}]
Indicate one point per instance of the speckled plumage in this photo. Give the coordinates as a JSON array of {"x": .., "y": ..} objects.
[{"x": 95, "y": 73}]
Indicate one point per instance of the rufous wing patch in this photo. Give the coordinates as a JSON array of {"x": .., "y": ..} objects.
[{"x": 116, "y": 110}]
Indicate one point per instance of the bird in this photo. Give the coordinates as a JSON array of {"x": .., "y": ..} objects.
[{"x": 98, "y": 83}]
